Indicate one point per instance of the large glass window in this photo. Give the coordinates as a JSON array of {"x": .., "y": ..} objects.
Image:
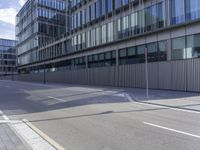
[
  {"x": 104, "y": 34},
  {"x": 110, "y": 32},
  {"x": 192, "y": 9},
  {"x": 125, "y": 2},
  {"x": 103, "y": 7},
  {"x": 141, "y": 49},
  {"x": 178, "y": 48},
  {"x": 162, "y": 48},
  {"x": 98, "y": 11},
  {"x": 93, "y": 37},
  {"x": 98, "y": 35},
  {"x": 125, "y": 26},
  {"x": 177, "y": 11},
  {"x": 134, "y": 23},
  {"x": 93, "y": 12},
  {"x": 161, "y": 14},
  {"x": 193, "y": 46},
  {"x": 152, "y": 52},
  {"x": 88, "y": 43},
  {"x": 110, "y": 5}
]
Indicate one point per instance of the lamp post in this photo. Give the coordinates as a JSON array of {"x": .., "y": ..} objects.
[
  {"x": 12, "y": 72},
  {"x": 44, "y": 73},
  {"x": 146, "y": 73}
]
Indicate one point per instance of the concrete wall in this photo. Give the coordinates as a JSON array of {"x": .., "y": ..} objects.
[{"x": 181, "y": 75}]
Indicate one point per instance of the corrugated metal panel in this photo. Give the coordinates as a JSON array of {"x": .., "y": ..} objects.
[
  {"x": 176, "y": 75},
  {"x": 164, "y": 75}
]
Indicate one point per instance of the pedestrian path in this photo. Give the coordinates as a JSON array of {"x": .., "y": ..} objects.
[{"x": 9, "y": 139}]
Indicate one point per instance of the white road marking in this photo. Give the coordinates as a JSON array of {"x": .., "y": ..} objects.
[
  {"x": 130, "y": 98},
  {"x": 62, "y": 100},
  {"x": 10, "y": 121},
  {"x": 189, "y": 111},
  {"x": 173, "y": 130}
]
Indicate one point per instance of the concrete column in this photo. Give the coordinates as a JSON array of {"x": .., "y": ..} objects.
[
  {"x": 169, "y": 50},
  {"x": 86, "y": 61},
  {"x": 117, "y": 57}
]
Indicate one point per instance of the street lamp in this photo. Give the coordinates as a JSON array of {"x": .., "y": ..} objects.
[{"x": 44, "y": 73}]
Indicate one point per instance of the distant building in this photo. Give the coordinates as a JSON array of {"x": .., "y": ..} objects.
[
  {"x": 7, "y": 57},
  {"x": 38, "y": 22}
]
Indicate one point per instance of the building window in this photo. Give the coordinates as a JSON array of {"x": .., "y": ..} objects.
[
  {"x": 122, "y": 53},
  {"x": 141, "y": 53},
  {"x": 93, "y": 12},
  {"x": 88, "y": 43},
  {"x": 98, "y": 11},
  {"x": 152, "y": 52},
  {"x": 102, "y": 59},
  {"x": 193, "y": 46},
  {"x": 125, "y": 26},
  {"x": 118, "y": 4},
  {"x": 134, "y": 23},
  {"x": 98, "y": 35},
  {"x": 192, "y": 9},
  {"x": 104, "y": 34},
  {"x": 162, "y": 48},
  {"x": 103, "y": 7},
  {"x": 161, "y": 14},
  {"x": 178, "y": 48},
  {"x": 110, "y": 32},
  {"x": 177, "y": 11},
  {"x": 110, "y": 5}
]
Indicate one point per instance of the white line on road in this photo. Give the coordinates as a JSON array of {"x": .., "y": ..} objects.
[
  {"x": 62, "y": 100},
  {"x": 129, "y": 97},
  {"x": 170, "y": 107},
  {"x": 173, "y": 130},
  {"x": 189, "y": 111}
]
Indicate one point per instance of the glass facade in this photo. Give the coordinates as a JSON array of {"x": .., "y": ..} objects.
[
  {"x": 37, "y": 22},
  {"x": 7, "y": 57},
  {"x": 134, "y": 23},
  {"x": 95, "y": 23}
]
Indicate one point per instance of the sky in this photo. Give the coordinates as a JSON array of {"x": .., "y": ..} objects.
[{"x": 8, "y": 11}]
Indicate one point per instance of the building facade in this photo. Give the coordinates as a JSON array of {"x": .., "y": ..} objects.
[
  {"x": 114, "y": 33},
  {"x": 37, "y": 22},
  {"x": 7, "y": 57}
]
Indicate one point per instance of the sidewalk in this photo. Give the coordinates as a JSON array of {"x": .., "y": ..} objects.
[
  {"x": 9, "y": 140},
  {"x": 174, "y": 99}
]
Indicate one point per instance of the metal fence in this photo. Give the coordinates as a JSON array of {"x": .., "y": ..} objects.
[{"x": 181, "y": 75}]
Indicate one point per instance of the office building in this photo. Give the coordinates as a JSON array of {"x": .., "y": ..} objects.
[
  {"x": 115, "y": 33},
  {"x": 7, "y": 57},
  {"x": 38, "y": 22}
]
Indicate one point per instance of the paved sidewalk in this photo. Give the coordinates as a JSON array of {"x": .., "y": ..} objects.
[{"x": 9, "y": 140}]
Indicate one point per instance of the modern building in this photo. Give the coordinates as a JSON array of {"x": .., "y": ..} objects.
[
  {"x": 7, "y": 57},
  {"x": 37, "y": 22},
  {"x": 114, "y": 34}
]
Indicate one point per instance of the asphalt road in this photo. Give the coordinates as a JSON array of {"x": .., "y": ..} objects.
[{"x": 103, "y": 118}]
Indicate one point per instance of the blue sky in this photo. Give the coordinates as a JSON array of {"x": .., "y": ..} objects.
[{"x": 8, "y": 11}]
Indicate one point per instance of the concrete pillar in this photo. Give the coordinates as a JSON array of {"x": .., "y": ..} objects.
[{"x": 117, "y": 57}]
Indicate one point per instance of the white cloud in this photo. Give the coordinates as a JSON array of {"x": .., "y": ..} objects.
[
  {"x": 22, "y": 2},
  {"x": 8, "y": 15}
]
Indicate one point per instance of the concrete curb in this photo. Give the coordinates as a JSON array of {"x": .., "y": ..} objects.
[{"x": 44, "y": 136}]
